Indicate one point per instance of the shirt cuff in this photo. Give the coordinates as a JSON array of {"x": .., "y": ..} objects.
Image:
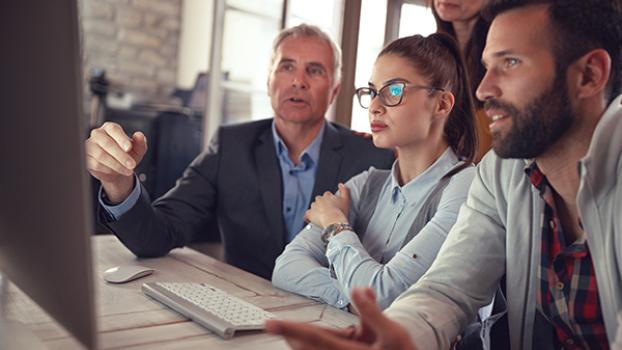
[
  {"x": 333, "y": 250},
  {"x": 343, "y": 299},
  {"x": 340, "y": 241},
  {"x": 116, "y": 211}
]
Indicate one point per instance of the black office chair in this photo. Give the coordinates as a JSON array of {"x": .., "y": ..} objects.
[{"x": 178, "y": 143}]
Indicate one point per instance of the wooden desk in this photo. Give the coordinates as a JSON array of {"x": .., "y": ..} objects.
[{"x": 127, "y": 319}]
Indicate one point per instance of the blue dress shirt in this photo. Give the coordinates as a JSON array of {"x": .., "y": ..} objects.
[
  {"x": 297, "y": 180},
  {"x": 119, "y": 209},
  {"x": 329, "y": 273}
]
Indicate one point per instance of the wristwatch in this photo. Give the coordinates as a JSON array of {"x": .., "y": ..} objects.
[{"x": 333, "y": 229}]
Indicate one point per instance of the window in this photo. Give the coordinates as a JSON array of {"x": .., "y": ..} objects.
[
  {"x": 326, "y": 14},
  {"x": 416, "y": 19},
  {"x": 400, "y": 18},
  {"x": 371, "y": 41},
  {"x": 245, "y": 64}
]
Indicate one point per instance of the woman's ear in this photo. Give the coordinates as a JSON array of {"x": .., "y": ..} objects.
[{"x": 445, "y": 103}]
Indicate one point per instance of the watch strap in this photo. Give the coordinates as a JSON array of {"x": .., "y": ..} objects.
[{"x": 333, "y": 229}]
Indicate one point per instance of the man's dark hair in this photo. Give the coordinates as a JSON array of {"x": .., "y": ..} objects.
[{"x": 578, "y": 26}]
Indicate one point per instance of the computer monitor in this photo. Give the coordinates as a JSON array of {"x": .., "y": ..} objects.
[{"x": 45, "y": 211}]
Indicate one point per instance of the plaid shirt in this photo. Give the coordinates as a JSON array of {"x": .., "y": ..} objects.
[{"x": 568, "y": 294}]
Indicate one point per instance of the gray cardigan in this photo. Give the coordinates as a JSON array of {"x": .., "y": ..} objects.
[{"x": 498, "y": 231}]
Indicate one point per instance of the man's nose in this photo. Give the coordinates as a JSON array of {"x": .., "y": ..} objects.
[
  {"x": 300, "y": 80},
  {"x": 488, "y": 87}
]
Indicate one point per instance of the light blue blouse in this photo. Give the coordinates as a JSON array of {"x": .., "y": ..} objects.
[{"x": 329, "y": 273}]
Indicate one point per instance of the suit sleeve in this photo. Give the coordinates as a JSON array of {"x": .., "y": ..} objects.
[
  {"x": 116, "y": 211},
  {"x": 151, "y": 230}
]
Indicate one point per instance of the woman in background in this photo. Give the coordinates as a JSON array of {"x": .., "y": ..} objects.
[
  {"x": 384, "y": 227},
  {"x": 461, "y": 20}
]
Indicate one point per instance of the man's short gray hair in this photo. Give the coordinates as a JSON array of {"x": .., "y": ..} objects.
[{"x": 308, "y": 30}]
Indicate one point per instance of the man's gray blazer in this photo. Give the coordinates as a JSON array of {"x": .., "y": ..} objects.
[{"x": 238, "y": 181}]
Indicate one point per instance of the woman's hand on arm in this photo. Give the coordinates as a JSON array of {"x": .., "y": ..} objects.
[{"x": 330, "y": 208}]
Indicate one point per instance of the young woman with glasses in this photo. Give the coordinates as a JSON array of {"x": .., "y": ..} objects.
[{"x": 384, "y": 227}]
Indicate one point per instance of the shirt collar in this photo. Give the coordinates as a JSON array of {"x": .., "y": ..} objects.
[
  {"x": 536, "y": 177},
  {"x": 433, "y": 174},
  {"x": 540, "y": 182},
  {"x": 310, "y": 154}
]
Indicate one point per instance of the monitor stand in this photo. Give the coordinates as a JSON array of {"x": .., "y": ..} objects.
[{"x": 14, "y": 335}]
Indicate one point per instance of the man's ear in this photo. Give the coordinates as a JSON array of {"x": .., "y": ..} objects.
[
  {"x": 269, "y": 77},
  {"x": 268, "y": 81},
  {"x": 334, "y": 92},
  {"x": 445, "y": 103},
  {"x": 589, "y": 75}
]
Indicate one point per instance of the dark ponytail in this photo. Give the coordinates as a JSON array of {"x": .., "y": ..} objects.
[{"x": 438, "y": 58}]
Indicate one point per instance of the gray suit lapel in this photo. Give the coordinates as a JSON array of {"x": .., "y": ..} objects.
[
  {"x": 330, "y": 162},
  {"x": 269, "y": 175}
]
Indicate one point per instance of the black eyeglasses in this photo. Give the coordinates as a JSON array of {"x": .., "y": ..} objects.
[{"x": 390, "y": 95}]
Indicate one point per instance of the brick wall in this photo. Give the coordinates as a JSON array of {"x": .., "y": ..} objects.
[{"x": 135, "y": 41}]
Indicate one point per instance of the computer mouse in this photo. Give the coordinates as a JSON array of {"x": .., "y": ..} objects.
[{"x": 126, "y": 273}]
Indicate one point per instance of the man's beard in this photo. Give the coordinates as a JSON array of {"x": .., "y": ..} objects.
[{"x": 538, "y": 126}]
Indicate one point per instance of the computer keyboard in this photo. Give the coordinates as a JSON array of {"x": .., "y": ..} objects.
[{"x": 210, "y": 307}]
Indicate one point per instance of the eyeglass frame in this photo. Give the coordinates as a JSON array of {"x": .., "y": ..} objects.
[{"x": 377, "y": 92}]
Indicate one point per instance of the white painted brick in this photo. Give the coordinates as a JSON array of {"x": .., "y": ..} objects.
[
  {"x": 134, "y": 40},
  {"x": 169, "y": 50},
  {"x": 129, "y": 18},
  {"x": 152, "y": 19},
  {"x": 127, "y": 53},
  {"x": 98, "y": 9},
  {"x": 133, "y": 69},
  {"x": 99, "y": 26},
  {"x": 167, "y": 7},
  {"x": 139, "y": 38},
  {"x": 152, "y": 58},
  {"x": 167, "y": 76},
  {"x": 102, "y": 45},
  {"x": 171, "y": 23}
]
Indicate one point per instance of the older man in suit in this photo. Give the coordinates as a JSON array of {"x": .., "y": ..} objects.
[{"x": 256, "y": 178}]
